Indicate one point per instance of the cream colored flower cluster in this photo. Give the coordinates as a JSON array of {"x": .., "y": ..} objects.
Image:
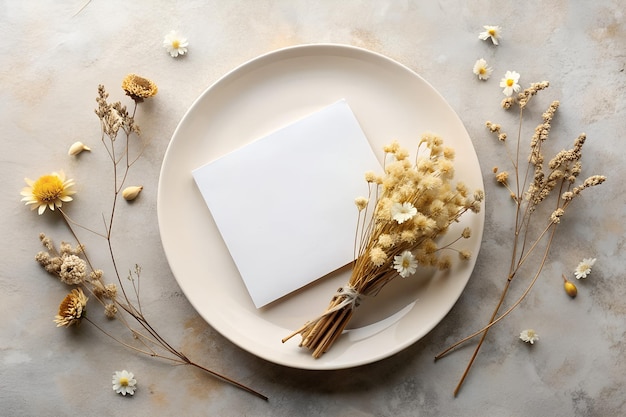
[
  {"x": 417, "y": 202},
  {"x": 67, "y": 264},
  {"x": 114, "y": 116},
  {"x": 560, "y": 172}
]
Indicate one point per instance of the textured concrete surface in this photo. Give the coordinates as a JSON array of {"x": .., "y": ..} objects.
[{"x": 54, "y": 54}]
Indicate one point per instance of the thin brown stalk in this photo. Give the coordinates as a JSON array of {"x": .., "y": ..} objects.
[
  {"x": 492, "y": 322},
  {"x": 147, "y": 336},
  {"x": 495, "y": 320},
  {"x": 182, "y": 360},
  {"x": 229, "y": 380},
  {"x": 522, "y": 224},
  {"x": 75, "y": 223}
]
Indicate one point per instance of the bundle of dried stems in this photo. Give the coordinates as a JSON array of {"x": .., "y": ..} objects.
[{"x": 414, "y": 204}]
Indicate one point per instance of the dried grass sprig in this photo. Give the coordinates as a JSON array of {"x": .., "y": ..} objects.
[
  {"x": 121, "y": 299},
  {"x": 541, "y": 195},
  {"x": 414, "y": 204}
]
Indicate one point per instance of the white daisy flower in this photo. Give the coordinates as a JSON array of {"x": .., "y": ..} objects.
[
  {"x": 124, "y": 382},
  {"x": 405, "y": 264},
  {"x": 510, "y": 83},
  {"x": 584, "y": 268},
  {"x": 529, "y": 336},
  {"x": 482, "y": 70},
  {"x": 492, "y": 32},
  {"x": 175, "y": 44},
  {"x": 402, "y": 212}
]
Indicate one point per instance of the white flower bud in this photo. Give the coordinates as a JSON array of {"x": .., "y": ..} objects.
[
  {"x": 131, "y": 193},
  {"x": 77, "y": 147}
]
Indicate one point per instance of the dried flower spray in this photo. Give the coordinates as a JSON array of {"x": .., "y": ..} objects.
[
  {"x": 415, "y": 203},
  {"x": 554, "y": 180}
]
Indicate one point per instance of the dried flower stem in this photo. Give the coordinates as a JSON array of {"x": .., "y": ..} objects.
[
  {"x": 564, "y": 170},
  {"x": 179, "y": 359},
  {"x": 493, "y": 320},
  {"x": 114, "y": 117}
]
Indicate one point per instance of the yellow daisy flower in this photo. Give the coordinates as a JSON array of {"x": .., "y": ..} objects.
[{"x": 50, "y": 191}]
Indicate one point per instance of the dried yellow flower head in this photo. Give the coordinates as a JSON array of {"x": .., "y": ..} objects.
[
  {"x": 502, "y": 177},
  {"x": 48, "y": 191},
  {"x": 72, "y": 309},
  {"x": 378, "y": 256},
  {"x": 138, "y": 88},
  {"x": 361, "y": 203}
]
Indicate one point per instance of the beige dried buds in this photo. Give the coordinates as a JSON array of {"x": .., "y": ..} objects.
[
  {"x": 77, "y": 147},
  {"x": 131, "y": 193}
]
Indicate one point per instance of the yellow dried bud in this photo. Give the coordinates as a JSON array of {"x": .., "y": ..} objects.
[
  {"x": 570, "y": 288},
  {"x": 131, "y": 193},
  {"x": 77, "y": 147}
]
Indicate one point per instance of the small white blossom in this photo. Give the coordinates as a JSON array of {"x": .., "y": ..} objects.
[
  {"x": 482, "y": 70},
  {"x": 510, "y": 83},
  {"x": 529, "y": 336},
  {"x": 405, "y": 264},
  {"x": 584, "y": 268},
  {"x": 124, "y": 382},
  {"x": 492, "y": 32},
  {"x": 175, "y": 44},
  {"x": 402, "y": 212}
]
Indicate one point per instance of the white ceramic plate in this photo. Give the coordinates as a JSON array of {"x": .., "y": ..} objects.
[{"x": 391, "y": 102}]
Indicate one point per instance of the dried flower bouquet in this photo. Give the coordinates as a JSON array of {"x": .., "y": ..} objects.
[{"x": 414, "y": 203}]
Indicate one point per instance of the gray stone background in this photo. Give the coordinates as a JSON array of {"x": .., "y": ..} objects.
[{"x": 54, "y": 54}]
